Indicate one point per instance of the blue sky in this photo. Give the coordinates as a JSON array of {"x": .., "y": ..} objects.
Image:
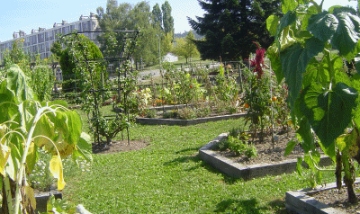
[{"x": 31, "y": 14}]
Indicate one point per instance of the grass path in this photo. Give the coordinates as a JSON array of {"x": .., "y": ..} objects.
[{"x": 168, "y": 177}]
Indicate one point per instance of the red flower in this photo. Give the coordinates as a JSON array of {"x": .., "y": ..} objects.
[{"x": 258, "y": 62}]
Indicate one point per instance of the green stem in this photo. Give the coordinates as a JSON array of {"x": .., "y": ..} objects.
[
  {"x": 21, "y": 170},
  {"x": 8, "y": 194}
]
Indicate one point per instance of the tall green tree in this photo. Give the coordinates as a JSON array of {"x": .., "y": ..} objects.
[
  {"x": 17, "y": 55},
  {"x": 157, "y": 16},
  {"x": 80, "y": 59},
  {"x": 168, "y": 20},
  {"x": 113, "y": 19},
  {"x": 231, "y": 26},
  {"x": 186, "y": 47},
  {"x": 117, "y": 18}
]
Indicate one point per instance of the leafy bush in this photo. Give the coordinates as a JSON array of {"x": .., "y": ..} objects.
[
  {"x": 237, "y": 142},
  {"x": 150, "y": 113},
  {"x": 171, "y": 114},
  {"x": 203, "y": 111}
]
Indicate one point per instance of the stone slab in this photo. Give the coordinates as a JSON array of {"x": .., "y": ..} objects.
[{"x": 186, "y": 122}]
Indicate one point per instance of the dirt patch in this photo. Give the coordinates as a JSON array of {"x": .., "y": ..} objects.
[
  {"x": 268, "y": 152},
  {"x": 119, "y": 146},
  {"x": 338, "y": 199}
]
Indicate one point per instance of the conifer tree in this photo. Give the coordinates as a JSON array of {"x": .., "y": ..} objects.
[{"x": 231, "y": 26}]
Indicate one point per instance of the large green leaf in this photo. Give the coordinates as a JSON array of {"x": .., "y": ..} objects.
[
  {"x": 285, "y": 21},
  {"x": 272, "y": 23},
  {"x": 307, "y": 137},
  {"x": 340, "y": 28},
  {"x": 45, "y": 128},
  {"x": 288, "y": 5},
  {"x": 16, "y": 83},
  {"x": 329, "y": 111},
  {"x": 74, "y": 126},
  {"x": 274, "y": 58},
  {"x": 83, "y": 148},
  {"x": 294, "y": 61}
]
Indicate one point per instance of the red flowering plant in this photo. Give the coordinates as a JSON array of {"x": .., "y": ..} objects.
[
  {"x": 257, "y": 98},
  {"x": 258, "y": 62},
  {"x": 264, "y": 99}
]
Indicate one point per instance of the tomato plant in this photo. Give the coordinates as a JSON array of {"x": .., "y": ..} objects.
[{"x": 309, "y": 51}]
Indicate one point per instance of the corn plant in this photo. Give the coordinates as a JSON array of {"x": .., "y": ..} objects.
[
  {"x": 309, "y": 51},
  {"x": 26, "y": 127}
]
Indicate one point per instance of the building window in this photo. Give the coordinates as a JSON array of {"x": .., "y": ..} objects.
[
  {"x": 48, "y": 45},
  {"x": 40, "y": 37},
  {"x": 33, "y": 40},
  {"x": 49, "y": 35},
  {"x": 41, "y": 48}
]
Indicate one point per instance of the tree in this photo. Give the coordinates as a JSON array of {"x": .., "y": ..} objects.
[
  {"x": 231, "y": 26},
  {"x": 168, "y": 20},
  {"x": 16, "y": 55},
  {"x": 186, "y": 47},
  {"x": 77, "y": 52},
  {"x": 157, "y": 17},
  {"x": 116, "y": 19}
]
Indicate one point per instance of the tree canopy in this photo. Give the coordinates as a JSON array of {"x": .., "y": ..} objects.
[
  {"x": 186, "y": 47},
  {"x": 230, "y": 27},
  {"x": 78, "y": 56},
  {"x": 152, "y": 25}
]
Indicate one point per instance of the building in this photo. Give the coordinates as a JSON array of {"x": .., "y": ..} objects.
[
  {"x": 40, "y": 40},
  {"x": 170, "y": 57}
]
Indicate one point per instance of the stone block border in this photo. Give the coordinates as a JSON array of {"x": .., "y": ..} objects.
[
  {"x": 237, "y": 170},
  {"x": 186, "y": 122},
  {"x": 301, "y": 202}
]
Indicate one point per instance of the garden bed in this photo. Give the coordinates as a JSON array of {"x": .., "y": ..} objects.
[
  {"x": 186, "y": 122},
  {"x": 321, "y": 200},
  {"x": 269, "y": 162}
]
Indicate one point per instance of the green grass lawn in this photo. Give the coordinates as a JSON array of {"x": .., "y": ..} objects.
[{"x": 168, "y": 177}]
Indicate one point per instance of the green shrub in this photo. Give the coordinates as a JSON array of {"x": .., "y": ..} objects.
[
  {"x": 237, "y": 142},
  {"x": 150, "y": 113},
  {"x": 187, "y": 113},
  {"x": 171, "y": 114}
]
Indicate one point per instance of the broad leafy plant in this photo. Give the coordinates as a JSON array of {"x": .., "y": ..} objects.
[
  {"x": 27, "y": 127},
  {"x": 310, "y": 48}
]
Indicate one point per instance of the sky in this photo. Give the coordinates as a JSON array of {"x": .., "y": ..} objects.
[{"x": 25, "y": 15}]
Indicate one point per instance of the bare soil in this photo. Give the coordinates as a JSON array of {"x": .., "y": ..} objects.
[
  {"x": 119, "y": 146},
  {"x": 268, "y": 152},
  {"x": 338, "y": 199}
]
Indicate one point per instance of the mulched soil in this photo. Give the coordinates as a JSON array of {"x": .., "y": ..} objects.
[
  {"x": 338, "y": 199},
  {"x": 119, "y": 146},
  {"x": 268, "y": 152}
]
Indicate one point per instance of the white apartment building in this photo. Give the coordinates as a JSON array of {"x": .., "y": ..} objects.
[{"x": 40, "y": 40}]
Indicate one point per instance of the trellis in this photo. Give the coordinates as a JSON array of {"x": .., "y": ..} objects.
[{"x": 129, "y": 41}]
